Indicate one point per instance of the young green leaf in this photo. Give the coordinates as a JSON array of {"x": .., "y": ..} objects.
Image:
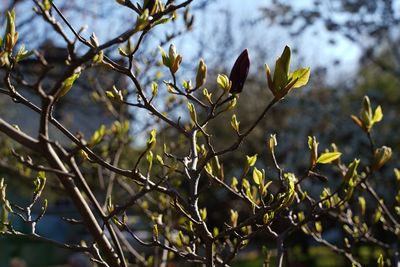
[
  {"x": 378, "y": 115},
  {"x": 272, "y": 143},
  {"x": 318, "y": 227},
  {"x": 224, "y": 82},
  {"x": 203, "y": 214},
  {"x": 234, "y": 217},
  {"x": 67, "y": 84},
  {"x": 207, "y": 95},
  {"x": 192, "y": 112},
  {"x": 328, "y": 157},
  {"x": 281, "y": 72},
  {"x": 301, "y": 76},
  {"x": 380, "y": 261},
  {"x": 362, "y": 205},
  {"x": 258, "y": 176},
  {"x": 251, "y": 161},
  {"x": 154, "y": 89},
  {"x": 234, "y": 183},
  {"x": 235, "y": 123},
  {"x": 151, "y": 142},
  {"x": 201, "y": 75}
]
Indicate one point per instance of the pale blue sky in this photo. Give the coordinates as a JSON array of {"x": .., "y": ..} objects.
[{"x": 265, "y": 43}]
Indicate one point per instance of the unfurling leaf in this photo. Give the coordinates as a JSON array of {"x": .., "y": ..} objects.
[
  {"x": 313, "y": 146},
  {"x": 203, "y": 214},
  {"x": 378, "y": 115},
  {"x": 380, "y": 261},
  {"x": 154, "y": 89},
  {"x": 187, "y": 84},
  {"x": 67, "y": 84},
  {"x": 328, "y": 157},
  {"x": 39, "y": 182},
  {"x": 318, "y": 227},
  {"x": 93, "y": 40},
  {"x": 234, "y": 217},
  {"x": 351, "y": 173},
  {"x": 234, "y": 183},
  {"x": 362, "y": 205},
  {"x": 381, "y": 156},
  {"x": 231, "y": 105},
  {"x": 235, "y": 123},
  {"x": 115, "y": 94},
  {"x": 367, "y": 119},
  {"x": 397, "y": 175},
  {"x": 251, "y": 161},
  {"x": 142, "y": 21},
  {"x": 98, "y": 135},
  {"x": 224, "y": 82},
  {"x": 192, "y": 112},
  {"x": 3, "y": 218},
  {"x": 272, "y": 143},
  {"x": 201, "y": 76},
  {"x": 377, "y": 215},
  {"x": 151, "y": 142},
  {"x": 47, "y": 4},
  {"x": 258, "y": 176},
  {"x": 282, "y": 81},
  {"x": 266, "y": 218},
  {"x": 165, "y": 58},
  {"x": 301, "y": 76},
  {"x": 174, "y": 59},
  {"x": 282, "y": 67},
  {"x": 207, "y": 95},
  {"x": 149, "y": 158},
  {"x": 22, "y": 53}
]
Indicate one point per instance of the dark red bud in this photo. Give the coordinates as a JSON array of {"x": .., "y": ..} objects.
[
  {"x": 239, "y": 72},
  {"x": 149, "y": 4}
]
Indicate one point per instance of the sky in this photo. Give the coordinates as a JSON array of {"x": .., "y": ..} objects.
[{"x": 265, "y": 42}]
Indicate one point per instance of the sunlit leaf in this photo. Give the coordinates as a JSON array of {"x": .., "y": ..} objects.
[
  {"x": 301, "y": 76},
  {"x": 378, "y": 115},
  {"x": 328, "y": 157}
]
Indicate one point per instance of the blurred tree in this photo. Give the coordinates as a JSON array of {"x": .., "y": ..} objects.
[{"x": 371, "y": 25}]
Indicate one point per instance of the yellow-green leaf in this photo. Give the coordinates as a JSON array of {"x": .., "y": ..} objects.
[
  {"x": 301, "y": 76},
  {"x": 318, "y": 227},
  {"x": 281, "y": 71},
  {"x": 224, "y": 82},
  {"x": 328, "y": 157},
  {"x": 67, "y": 84},
  {"x": 192, "y": 112},
  {"x": 154, "y": 89},
  {"x": 151, "y": 142},
  {"x": 235, "y": 123},
  {"x": 251, "y": 160},
  {"x": 258, "y": 176},
  {"x": 234, "y": 183},
  {"x": 201, "y": 74},
  {"x": 362, "y": 204},
  {"x": 203, "y": 214},
  {"x": 378, "y": 115},
  {"x": 272, "y": 142},
  {"x": 380, "y": 261}
]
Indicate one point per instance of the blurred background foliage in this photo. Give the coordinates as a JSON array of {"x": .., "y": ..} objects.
[{"x": 351, "y": 46}]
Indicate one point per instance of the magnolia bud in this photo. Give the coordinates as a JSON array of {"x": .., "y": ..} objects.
[
  {"x": 201, "y": 74},
  {"x": 149, "y": 4},
  {"x": 239, "y": 72},
  {"x": 382, "y": 155}
]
